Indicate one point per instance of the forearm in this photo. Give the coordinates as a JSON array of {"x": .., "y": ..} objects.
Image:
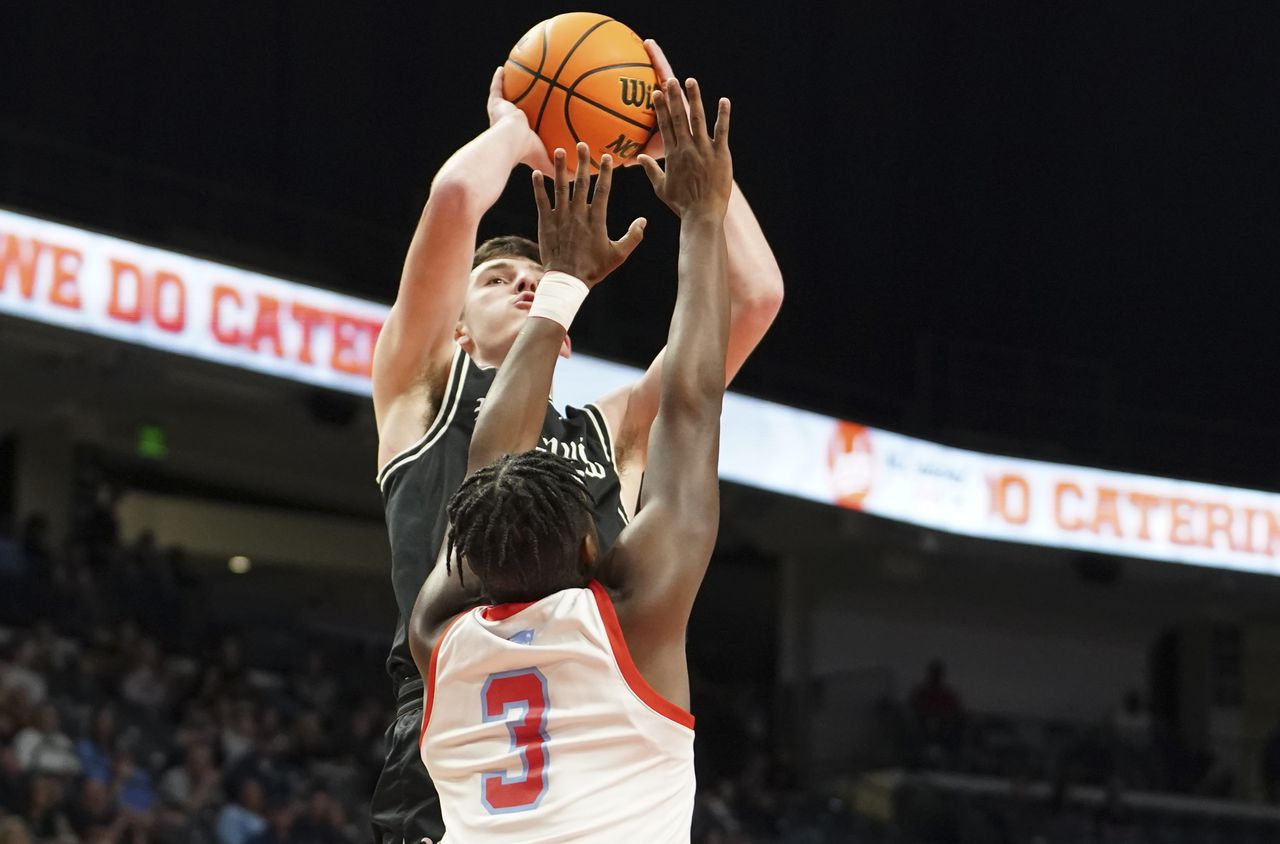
[
  {"x": 693, "y": 371},
  {"x": 755, "y": 283},
  {"x": 480, "y": 169},
  {"x": 436, "y": 266},
  {"x": 511, "y": 416},
  {"x": 755, "y": 279}
]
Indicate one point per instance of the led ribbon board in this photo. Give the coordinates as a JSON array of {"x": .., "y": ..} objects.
[{"x": 137, "y": 294}]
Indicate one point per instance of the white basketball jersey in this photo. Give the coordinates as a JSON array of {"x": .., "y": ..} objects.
[{"x": 538, "y": 728}]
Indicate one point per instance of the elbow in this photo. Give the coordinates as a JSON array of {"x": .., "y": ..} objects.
[
  {"x": 452, "y": 194},
  {"x": 760, "y": 307},
  {"x": 697, "y": 397}
]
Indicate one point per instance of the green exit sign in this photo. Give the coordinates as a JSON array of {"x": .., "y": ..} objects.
[{"x": 151, "y": 442}]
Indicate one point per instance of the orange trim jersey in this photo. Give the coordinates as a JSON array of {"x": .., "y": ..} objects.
[{"x": 538, "y": 728}]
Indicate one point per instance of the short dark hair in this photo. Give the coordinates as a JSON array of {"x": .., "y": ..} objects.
[
  {"x": 519, "y": 524},
  {"x": 506, "y": 246}
]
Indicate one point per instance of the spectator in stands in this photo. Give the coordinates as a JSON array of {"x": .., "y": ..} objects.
[
  {"x": 240, "y": 821},
  {"x": 44, "y": 748},
  {"x": 279, "y": 825},
  {"x": 14, "y": 831},
  {"x": 132, "y": 782},
  {"x": 311, "y": 742},
  {"x": 81, "y": 682},
  {"x": 316, "y": 686},
  {"x": 45, "y": 811},
  {"x": 26, "y": 672},
  {"x": 13, "y": 787},
  {"x": 95, "y": 811},
  {"x": 196, "y": 726},
  {"x": 100, "y": 527},
  {"x": 95, "y": 749},
  {"x": 239, "y": 726},
  {"x": 322, "y": 822},
  {"x": 230, "y": 664},
  {"x": 937, "y": 709},
  {"x": 265, "y": 762},
  {"x": 145, "y": 685},
  {"x": 195, "y": 785}
]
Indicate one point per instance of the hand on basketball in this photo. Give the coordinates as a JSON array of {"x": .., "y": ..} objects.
[
  {"x": 662, "y": 69},
  {"x": 699, "y": 174},
  {"x": 532, "y": 151},
  {"x": 573, "y": 234}
]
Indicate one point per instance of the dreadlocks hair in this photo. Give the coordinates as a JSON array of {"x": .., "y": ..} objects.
[
  {"x": 507, "y": 246},
  {"x": 519, "y": 524}
]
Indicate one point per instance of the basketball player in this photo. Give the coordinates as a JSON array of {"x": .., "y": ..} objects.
[
  {"x": 456, "y": 315},
  {"x": 559, "y": 712}
]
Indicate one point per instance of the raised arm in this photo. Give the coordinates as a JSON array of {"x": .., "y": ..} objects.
[
  {"x": 573, "y": 239},
  {"x": 417, "y": 340},
  {"x": 658, "y": 562},
  {"x": 755, "y": 295}
]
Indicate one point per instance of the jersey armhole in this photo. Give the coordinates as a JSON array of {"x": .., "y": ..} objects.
[
  {"x": 601, "y": 425},
  {"x": 429, "y": 688},
  {"x": 622, "y": 655},
  {"x": 444, "y": 416}
]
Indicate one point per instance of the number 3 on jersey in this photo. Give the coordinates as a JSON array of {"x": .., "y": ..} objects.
[{"x": 520, "y": 698}]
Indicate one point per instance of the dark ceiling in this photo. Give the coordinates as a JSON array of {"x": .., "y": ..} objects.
[{"x": 1035, "y": 227}]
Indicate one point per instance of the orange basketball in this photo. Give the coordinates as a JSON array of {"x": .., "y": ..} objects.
[{"x": 584, "y": 77}]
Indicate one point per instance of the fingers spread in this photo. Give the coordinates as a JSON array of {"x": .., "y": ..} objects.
[
  {"x": 582, "y": 177},
  {"x": 562, "y": 179},
  {"x": 679, "y": 116},
  {"x": 722, "y": 123},
  {"x": 697, "y": 117},
  {"x": 540, "y": 194},
  {"x": 662, "y": 109},
  {"x": 661, "y": 67},
  {"x": 629, "y": 241},
  {"x": 653, "y": 171},
  {"x": 600, "y": 197},
  {"x": 495, "y": 86}
]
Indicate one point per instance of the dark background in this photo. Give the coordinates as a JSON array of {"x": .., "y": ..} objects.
[{"x": 1040, "y": 228}]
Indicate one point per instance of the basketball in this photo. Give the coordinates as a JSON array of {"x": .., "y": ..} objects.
[{"x": 584, "y": 77}]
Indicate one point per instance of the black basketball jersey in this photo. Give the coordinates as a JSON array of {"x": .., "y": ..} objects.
[{"x": 418, "y": 482}]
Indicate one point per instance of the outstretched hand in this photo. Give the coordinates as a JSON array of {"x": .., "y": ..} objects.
[
  {"x": 699, "y": 174},
  {"x": 655, "y": 148},
  {"x": 573, "y": 235},
  {"x": 531, "y": 149}
]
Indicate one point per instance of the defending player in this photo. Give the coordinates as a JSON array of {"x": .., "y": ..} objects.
[
  {"x": 559, "y": 712},
  {"x": 433, "y": 367}
]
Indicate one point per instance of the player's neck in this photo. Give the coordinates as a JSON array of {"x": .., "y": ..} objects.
[{"x": 487, "y": 361}]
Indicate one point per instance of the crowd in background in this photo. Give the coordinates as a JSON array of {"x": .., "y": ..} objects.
[
  {"x": 1128, "y": 747},
  {"x": 130, "y": 715},
  {"x": 122, "y": 721}
]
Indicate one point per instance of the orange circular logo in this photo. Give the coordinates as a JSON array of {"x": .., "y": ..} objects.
[{"x": 852, "y": 464}]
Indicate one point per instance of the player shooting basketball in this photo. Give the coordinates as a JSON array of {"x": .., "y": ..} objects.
[
  {"x": 456, "y": 315},
  {"x": 560, "y": 711}
]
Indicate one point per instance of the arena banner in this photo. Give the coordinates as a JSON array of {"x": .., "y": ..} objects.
[
  {"x": 115, "y": 288},
  {"x": 90, "y": 282},
  {"x": 1039, "y": 503}
]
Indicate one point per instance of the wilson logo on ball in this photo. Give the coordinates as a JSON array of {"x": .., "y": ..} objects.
[
  {"x": 585, "y": 77},
  {"x": 635, "y": 92},
  {"x": 623, "y": 147}
]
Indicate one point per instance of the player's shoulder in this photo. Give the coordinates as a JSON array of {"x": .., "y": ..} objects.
[{"x": 418, "y": 426}]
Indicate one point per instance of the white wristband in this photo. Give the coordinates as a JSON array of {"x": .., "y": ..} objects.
[{"x": 558, "y": 298}]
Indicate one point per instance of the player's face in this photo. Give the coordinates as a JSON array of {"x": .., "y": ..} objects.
[{"x": 499, "y": 296}]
